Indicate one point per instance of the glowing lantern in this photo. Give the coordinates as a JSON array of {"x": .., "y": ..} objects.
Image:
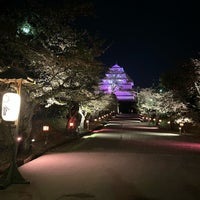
[
  {"x": 19, "y": 139},
  {"x": 181, "y": 124},
  {"x": 45, "y": 128},
  {"x": 71, "y": 124},
  {"x": 10, "y": 106}
]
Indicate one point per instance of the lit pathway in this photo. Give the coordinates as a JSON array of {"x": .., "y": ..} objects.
[{"x": 115, "y": 163}]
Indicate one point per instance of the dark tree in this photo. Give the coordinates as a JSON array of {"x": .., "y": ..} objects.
[{"x": 183, "y": 81}]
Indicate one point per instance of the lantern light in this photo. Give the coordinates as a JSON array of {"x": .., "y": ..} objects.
[
  {"x": 181, "y": 124},
  {"x": 19, "y": 139},
  {"x": 45, "y": 128},
  {"x": 10, "y": 106},
  {"x": 71, "y": 124}
]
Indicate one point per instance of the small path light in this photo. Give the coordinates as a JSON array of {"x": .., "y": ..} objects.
[
  {"x": 181, "y": 127},
  {"x": 45, "y": 129},
  {"x": 88, "y": 124},
  {"x": 71, "y": 125},
  {"x": 32, "y": 140},
  {"x": 19, "y": 139}
]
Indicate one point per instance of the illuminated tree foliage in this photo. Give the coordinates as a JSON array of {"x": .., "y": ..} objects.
[
  {"x": 96, "y": 104},
  {"x": 50, "y": 51},
  {"x": 45, "y": 46},
  {"x": 157, "y": 104}
]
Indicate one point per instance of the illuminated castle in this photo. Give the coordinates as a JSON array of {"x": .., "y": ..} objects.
[{"x": 117, "y": 82}]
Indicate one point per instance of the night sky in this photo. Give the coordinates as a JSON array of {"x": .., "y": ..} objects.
[{"x": 148, "y": 37}]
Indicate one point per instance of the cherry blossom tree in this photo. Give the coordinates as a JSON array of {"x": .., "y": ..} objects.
[
  {"x": 148, "y": 101},
  {"x": 184, "y": 81},
  {"x": 159, "y": 104},
  {"x": 96, "y": 104},
  {"x": 44, "y": 44}
]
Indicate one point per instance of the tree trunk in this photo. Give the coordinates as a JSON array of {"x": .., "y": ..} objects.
[
  {"x": 25, "y": 125},
  {"x": 83, "y": 115}
]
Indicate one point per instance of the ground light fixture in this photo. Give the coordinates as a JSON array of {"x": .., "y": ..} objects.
[
  {"x": 71, "y": 124},
  {"x": 181, "y": 127},
  {"x": 45, "y": 129},
  {"x": 32, "y": 140},
  {"x": 88, "y": 124},
  {"x": 10, "y": 112},
  {"x": 19, "y": 139}
]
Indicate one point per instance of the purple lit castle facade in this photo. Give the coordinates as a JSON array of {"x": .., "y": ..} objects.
[{"x": 118, "y": 83}]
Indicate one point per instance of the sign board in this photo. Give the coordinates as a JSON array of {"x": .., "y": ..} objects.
[{"x": 10, "y": 106}]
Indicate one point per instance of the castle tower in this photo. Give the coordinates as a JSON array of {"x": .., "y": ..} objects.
[{"x": 117, "y": 82}]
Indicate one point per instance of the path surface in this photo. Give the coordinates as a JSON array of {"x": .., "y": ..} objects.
[{"x": 123, "y": 161}]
